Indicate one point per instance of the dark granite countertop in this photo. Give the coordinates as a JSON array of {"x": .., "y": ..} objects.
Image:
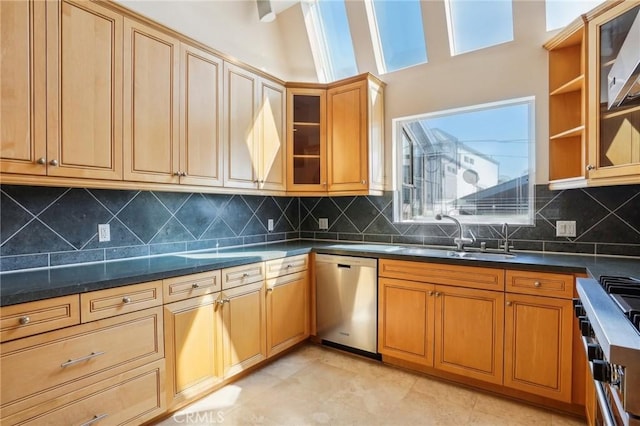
[{"x": 26, "y": 286}]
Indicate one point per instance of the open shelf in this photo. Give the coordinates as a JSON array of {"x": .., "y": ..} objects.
[
  {"x": 576, "y": 131},
  {"x": 565, "y": 158},
  {"x": 574, "y": 85}
]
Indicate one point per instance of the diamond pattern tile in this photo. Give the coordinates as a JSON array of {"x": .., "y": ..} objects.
[
  {"x": 196, "y": 214},
  {"x": 144, "y": 225}
]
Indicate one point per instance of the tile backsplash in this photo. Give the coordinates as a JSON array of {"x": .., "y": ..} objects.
[{"x": 42, "y": 226}]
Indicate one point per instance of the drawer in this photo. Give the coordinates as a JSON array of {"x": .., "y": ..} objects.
[
  {"x": 287, "y": 265},
  {"x": 241, "y": 275},
  {"x": 101, "y": 304},
  {"x": 437, "y": 273},
  {"x": 540, "y": 283},
  {"x": 132, "y": 397},
  {"x": 27, "y": 319},
  {"x": 180, "y": 288},
  {"x": 55, "y": 363}
]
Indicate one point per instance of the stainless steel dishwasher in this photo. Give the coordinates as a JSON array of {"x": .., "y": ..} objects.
[{"x": 346, "y": 302}]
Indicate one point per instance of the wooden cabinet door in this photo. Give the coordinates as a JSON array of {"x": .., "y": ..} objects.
[
  {"x": 200, "y": 117},
  {"x": 347, "y": 137},
  {"x": 84, "y": 91},
  {"x": 192, "y": 350},
  {"x": 405, "y": 320},
  {"x": 375, "y": 119},
  {"x": 538, "y": 345},
  {"x": 151, "y": 107},
  {"x": 271, "y": 140},
  {"x": 469, "y": 327},
  {"x": 287, "y": 311},
  {"x": 240, "y": 128},
  {"x": 22, "y": 105},
  {"x": 243, "y": 327}
]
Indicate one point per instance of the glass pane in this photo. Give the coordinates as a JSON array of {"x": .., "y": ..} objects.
[
  {"x": 306, "y": 109},
  {"x": 337, "y": 38},
  {"x": 401, "y": 33},
  {"x": 306, "y": 171},
  {"x": 561, "y": 12},
  {"x": 306, "y": 140},
  {"x": 478, "y": 24},
  {"x": 472, "y": 163}
]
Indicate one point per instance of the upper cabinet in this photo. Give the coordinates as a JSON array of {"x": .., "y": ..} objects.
[
  {"x": 594, "y": 107},
  {"x": 254, "y": 114},
  {"x": 336, "y": 137}
]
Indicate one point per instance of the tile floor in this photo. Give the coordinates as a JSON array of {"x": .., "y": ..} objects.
[{"x": 315, "y": 385}]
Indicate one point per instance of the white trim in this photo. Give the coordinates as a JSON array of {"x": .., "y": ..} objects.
[{"x": 378, "y": 52}]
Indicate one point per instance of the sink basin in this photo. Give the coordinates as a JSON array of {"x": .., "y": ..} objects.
[
  {"x": 471, "y": 255},
  {"x": 367, "y": 247}
]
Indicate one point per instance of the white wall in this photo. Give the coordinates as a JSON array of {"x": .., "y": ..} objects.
[{"x": 231, "y": 27}]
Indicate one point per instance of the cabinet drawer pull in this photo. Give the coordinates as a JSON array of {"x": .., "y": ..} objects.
[
  {"x": 223, "y": 301},
  {"x": 536, "y": 284},
  {"x": 195, "y": 285},
  {"x": 126, "y": 299},
  {"x": 269, "y": 289},
  {"x": 95, "y": 418},
  {"x": 289, "y": 266},
  {"x": 245, "y": 275},
  {"x": 24, "y": 320},
  {"x": 84, "y": 358}
]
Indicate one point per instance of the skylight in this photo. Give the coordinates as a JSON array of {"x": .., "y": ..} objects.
[
  {"x": 562, "y": 12},
  {"x": 331, "y": 43},
  {"x": 397, "y": 33},
  {"x": 478, "y": 24}
]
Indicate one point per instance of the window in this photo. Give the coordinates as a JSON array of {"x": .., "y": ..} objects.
[
  {"x": 331, "y": 45},
  {"x": 397, "y": 33},
  {"x": 562, "y": 12},
  {"x": 474, "y": 163},
  {"x": 476, "y": 24}
]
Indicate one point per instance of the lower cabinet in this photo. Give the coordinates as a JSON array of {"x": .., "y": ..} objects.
[
  {"x": 243, "y": 327},
  {"x": 287, "y": 311},
  {"x": 538, "y": 345},
  {"x": 191, "y": 348}
]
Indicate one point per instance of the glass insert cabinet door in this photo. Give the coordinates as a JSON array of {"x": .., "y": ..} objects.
[
  {"x": 614, "y": 109},
  {"x": 307, "y": 138}
]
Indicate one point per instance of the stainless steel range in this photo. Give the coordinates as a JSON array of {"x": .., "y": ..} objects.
[{"x": 609, "y": 315}]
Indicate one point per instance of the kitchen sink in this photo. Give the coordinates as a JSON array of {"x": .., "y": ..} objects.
[
  {"x": 471, "y": 255},
  {"x": 367, "y": 247}
]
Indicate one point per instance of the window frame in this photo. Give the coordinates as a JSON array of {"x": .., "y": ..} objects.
[{"x": 397, "y": 125}]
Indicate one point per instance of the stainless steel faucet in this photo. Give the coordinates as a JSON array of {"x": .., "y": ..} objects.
[
  {"x": 505, "y": 230},
  {"x": 461, "y": 240}
]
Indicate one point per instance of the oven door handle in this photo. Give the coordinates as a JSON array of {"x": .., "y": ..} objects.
[{"x": 607, "y": 417}]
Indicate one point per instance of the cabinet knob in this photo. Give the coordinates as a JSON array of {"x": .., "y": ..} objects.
[
  {"x": 590, "y": 167},
  {"x": 437, "y": 294},
  {"x": 25, "y": 320},
  {"x": 245, "y": 275},
  {"x": 177, "y": 174},
  {"x": 126, "y": 299},
  {"x": 183, "y": 174},
  {"x": 430, "y": 293},
  {"x": 324, "y": 183},
  {"x": 41, "y": 160},
  {"x": 509, "y": 303},
  {"x": 364, "y": 182},
  {"x": 195, "y": 285},
  {"x": 269, "y": 289},
  {"x": 536, "y": 284},
  {"x": 54, "y": 163}
]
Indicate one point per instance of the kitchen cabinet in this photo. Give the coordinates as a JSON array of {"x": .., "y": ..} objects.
[
  {"x": 192, "y": 348},
  {"x": 539, "y": 332},
  {"x": 287, "y": 303},
  {"x": 336, "y": 137},
  {"x": 151, "y": 106},
  {"x": 591, "y": 142},
  {"x": 49, "y": 124},
  {"x": 254, "y": 114}
]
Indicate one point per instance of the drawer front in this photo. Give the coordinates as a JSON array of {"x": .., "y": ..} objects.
[
  {"x": 38, "y": 364},
  {"x": 128, "y": 398},
  {"x": 287, "y": 265},
  {"x": 185, "y": 287},
  {"x": 540, "y": 283},
  {"x": 241, "y": 275},
  {"x": 27, "y": 319},
  {"x": 436, "y": 273},
  {"x": 101, "y": 304}
]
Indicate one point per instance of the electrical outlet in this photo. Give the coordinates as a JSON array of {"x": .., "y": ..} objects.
[
  {"x": 565, "y": 228},
  {"x": 323, "y": 223},
  {"x": 104, "y": 232},
  {"x": 269, "y": 225}
]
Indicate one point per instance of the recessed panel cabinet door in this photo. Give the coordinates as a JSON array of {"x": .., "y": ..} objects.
[
  {"x": 538, "y": 345},
  {"x": 287, "y": 311},
  {"x": 272, "y": 142},
  {"x": 84, "y": 91},
  {"x": 200, "y": 117},
  {"x": 151, "y": 105},
  {"x": 22, "y": 106}
]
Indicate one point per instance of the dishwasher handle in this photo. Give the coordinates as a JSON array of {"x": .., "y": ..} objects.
[{"x": 342, "y": 265}]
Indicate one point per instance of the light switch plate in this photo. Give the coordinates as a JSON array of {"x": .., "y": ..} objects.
[
  {"x": 269, "y": 225},
  {"x": 323, "y": 223},
  {"x": 565, "y": 228},
  {"x": 104, "y": 232}
]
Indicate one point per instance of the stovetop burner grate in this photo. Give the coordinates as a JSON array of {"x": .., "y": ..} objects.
[{"x": 625, "y": 291}]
